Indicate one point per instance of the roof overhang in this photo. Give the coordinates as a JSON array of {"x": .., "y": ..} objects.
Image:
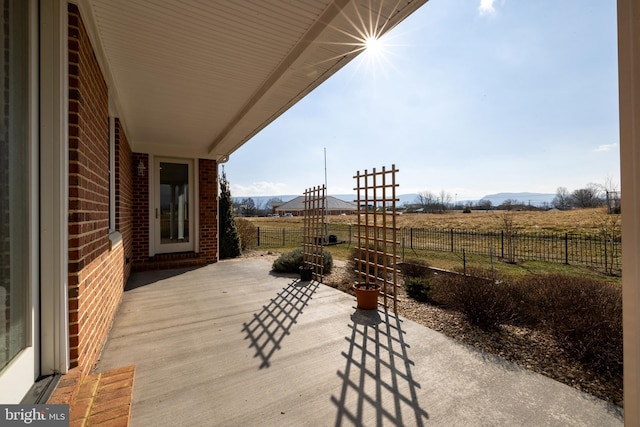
[{"x": 199, "y": 79}]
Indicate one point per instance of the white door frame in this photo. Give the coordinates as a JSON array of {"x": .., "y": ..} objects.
[
  {"x": 47, "y": 350},
  {"x": 189, "y": 246}
]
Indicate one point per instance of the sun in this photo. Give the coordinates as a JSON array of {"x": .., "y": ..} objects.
[
  {"x": 367, "y": 36},
  {"x": 373, "y": 45},
  {"x": 376, "y": 52}
]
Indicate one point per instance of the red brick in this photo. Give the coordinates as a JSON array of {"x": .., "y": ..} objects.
[{"x": 97, "y": 274}]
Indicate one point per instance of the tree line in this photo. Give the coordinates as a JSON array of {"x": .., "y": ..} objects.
[
  {"x": 591, "y": 196},
  {"x": 248, "y": 207}
]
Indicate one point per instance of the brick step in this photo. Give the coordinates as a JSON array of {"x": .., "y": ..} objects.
[
  {"x": 171, "y": 261},
  {"x": 100, "y": 398}
]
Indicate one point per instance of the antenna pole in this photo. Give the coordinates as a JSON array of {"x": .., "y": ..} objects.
[{"x": 326, "y": 200}]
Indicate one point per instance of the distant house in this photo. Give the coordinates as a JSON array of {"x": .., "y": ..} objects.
[{"x": 334, "y": 207}]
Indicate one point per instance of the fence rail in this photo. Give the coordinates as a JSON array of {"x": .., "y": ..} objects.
[{"x": 567, "y": 248}]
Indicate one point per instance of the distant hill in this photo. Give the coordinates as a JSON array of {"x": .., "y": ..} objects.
[
  {"x": 262, "y": 200},
  {"x": 535, "y": 199}
]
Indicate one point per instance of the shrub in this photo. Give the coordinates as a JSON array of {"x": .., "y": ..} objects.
[
  {"x": 290, "y": 262},
  {"x": 485, "y": 302},
  {"x": 418, "y": 288},
  {"x": 415, "y": 268},
  {"x": 584, "y": 315},
  {"x": 248, "y": 233}
]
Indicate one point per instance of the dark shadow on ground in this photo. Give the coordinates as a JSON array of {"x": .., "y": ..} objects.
[
  {"x": 139, "y": 279},
  {"x": 378, "y": 374},
  {"x": 268, "y": 328}
]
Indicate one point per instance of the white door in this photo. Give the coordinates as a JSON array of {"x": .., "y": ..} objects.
[
  {"x": 18, "y": 298},
  {"x": 174, "y": 212}
]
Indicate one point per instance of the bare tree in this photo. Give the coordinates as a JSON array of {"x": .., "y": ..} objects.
[
  {"x": 248, "y": 206},
  {"x": 445, "y": 200},
  {"x": 510, "y": 204},
  {"x": 588, "y": 197},
  {"x": 270, "y": 203},
  {"x": 426, "y": 200},
  {"x": 562, "y": 200},
  {"x": 609, "y": 228},
  {"x": 485, "y": 204},
  {"x": 506, "y": 221},
  {"x": 612, "y": 195},
  {"x": 260, "y": 207}
]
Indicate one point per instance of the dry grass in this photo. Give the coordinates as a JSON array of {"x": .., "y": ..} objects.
[{"x": 573, "y": 221}]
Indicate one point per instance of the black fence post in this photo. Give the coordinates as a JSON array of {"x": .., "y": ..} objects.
[
  {"x": 258, "y": 236},
  {"x": 566, "y": 248},
  {"x": 502, "y": 243},
  {"x": 451, "y": 234},
  {"x": 411, "y": 237},
  {"x": 283, "y": 236}
]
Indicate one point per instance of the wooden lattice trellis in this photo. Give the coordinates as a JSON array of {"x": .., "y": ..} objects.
[
  {"x": 377, "y": 233},
  {"x": 314, "y": 230}
]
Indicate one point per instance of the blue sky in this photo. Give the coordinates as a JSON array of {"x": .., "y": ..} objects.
[{"x": 472, "y": 97}]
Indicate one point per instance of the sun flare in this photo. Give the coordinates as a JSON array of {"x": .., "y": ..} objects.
[
  {"x": 373, "y": 45},
  {"x": 366, "y": 36}
]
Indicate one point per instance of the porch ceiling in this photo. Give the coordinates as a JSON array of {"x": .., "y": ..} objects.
[{"x": 200, "y": 78}]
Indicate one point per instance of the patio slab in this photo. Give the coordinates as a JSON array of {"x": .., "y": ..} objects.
[{"x": 231, "y": 344}]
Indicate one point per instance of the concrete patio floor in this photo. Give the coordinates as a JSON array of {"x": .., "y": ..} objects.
[{"x": 232, "y": 345}]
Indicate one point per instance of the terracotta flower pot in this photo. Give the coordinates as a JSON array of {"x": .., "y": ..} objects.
[{"x": 367, "y": 296}]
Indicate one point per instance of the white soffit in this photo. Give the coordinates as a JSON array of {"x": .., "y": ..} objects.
[{"x": 199, "y": 78}]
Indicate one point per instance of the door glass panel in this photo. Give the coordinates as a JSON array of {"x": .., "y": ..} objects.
[
  {"x": 174, "y": 203},
  {"x": 14, "y": 214}
]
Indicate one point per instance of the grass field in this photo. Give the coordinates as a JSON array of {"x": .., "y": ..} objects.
[{"x": 575, "y": 221}]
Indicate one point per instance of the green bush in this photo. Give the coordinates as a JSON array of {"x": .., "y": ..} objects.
[
  {"x": 418, "y": 288},
  {"x": 290, "y": 262}
]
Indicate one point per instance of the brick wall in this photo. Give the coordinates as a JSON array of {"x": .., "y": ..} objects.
[
  {"x": 97, "y": 271},
  {"x": 208, "y": 185},
  {"x": 140, "y": 223}
]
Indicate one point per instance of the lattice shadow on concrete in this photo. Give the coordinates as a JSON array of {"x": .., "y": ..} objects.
[
  {"x": 267, "y": 329},
  {"x": 377, "y": 384}
]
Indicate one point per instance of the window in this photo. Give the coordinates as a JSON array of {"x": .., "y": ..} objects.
[{"x": 112, "y": 174}]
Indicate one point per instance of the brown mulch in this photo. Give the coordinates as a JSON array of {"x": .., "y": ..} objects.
[{"x": 531, "y": 349}]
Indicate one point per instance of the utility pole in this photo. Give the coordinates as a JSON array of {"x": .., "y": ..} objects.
[{"x": 326, "y": 200}]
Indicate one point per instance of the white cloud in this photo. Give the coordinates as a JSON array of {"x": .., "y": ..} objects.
[
  {"x": 606, "y": 147},
  {"x": 486, "y": 7}
]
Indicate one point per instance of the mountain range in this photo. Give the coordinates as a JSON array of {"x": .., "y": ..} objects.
[{"x": 535, "y": 199}]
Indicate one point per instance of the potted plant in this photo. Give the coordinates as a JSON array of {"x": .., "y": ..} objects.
[
  {"x": 306, "y": 273},
  {"x": 367, "y": 295}
]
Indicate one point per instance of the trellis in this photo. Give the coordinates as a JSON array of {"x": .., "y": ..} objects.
[
  {"x": 377, "y": 233},
  {"x": 314, "y": 230}
]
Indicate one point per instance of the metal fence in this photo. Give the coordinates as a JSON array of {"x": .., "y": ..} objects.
[{"x": 568, "y": 248}]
